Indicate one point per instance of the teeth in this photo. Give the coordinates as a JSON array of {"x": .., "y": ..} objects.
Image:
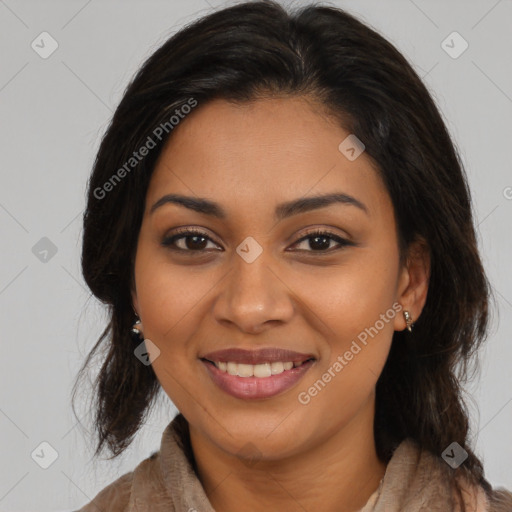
[
  {"x": 262, "y": 370},
  {"x": 277, "y": 368},
  {"x": 245, "y": 370},
  {"x": 255, "y": 370}
]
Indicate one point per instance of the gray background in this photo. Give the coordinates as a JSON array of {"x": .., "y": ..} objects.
[{"x": 53, "y": 112}]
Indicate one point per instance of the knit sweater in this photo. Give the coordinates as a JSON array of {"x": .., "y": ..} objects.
[{"x": 414, "y": 481}]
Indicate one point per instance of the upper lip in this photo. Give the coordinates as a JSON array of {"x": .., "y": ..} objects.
[{"x": 257, "y": 356}]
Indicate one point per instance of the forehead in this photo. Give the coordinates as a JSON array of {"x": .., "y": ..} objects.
[{"x": 262, "y": 152}]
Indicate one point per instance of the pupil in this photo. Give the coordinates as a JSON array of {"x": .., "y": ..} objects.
[
  {"x": 194, "y": 244},
  {"x": 324, "y": 245}
]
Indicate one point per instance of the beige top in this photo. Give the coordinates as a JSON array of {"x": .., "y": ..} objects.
[{"x": 414, "y": 481}]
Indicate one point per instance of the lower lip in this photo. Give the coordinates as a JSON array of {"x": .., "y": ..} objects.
[{"x": 256, "y": 387}]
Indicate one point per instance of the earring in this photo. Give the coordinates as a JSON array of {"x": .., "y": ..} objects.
[
  {"x": 137, "y": 329},
  {"x": 408, "y": 320}
]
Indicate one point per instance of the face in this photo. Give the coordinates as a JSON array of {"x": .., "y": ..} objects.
[{"x": 261, "y": 271}]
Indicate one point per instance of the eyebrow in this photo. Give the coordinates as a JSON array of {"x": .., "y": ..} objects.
[{"x": 282, "y": 211}]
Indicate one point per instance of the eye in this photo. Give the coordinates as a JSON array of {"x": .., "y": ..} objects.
[
  {"x": 321, "y": 241},
  {"x": 194, "y": 241}
]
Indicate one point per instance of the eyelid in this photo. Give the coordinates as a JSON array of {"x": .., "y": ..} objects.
[
  {"x": 339, "y": 239},
  {"x": 184, "y": 232}
]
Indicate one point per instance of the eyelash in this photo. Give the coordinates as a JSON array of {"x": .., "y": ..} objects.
[{"x": 188, "y": 232}]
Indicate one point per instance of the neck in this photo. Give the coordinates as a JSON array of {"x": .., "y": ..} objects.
[{"x": 339, "y": 473}]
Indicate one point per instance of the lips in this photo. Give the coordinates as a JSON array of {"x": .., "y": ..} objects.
[
  {"x": 256, "y": 356},
  {"x": 245, "y": 373},
  {"x": 256, "y": 388}
]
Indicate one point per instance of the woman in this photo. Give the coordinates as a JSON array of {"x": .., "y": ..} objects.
[{"x": 282, "y": 229}]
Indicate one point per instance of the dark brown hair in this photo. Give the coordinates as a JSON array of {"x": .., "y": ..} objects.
[{"x": 256, "y": 50}]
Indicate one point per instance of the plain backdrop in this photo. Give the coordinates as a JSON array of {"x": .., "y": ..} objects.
[{"x": 53, "y": 112}]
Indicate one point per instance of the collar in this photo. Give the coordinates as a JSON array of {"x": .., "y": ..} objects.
[{"x": 415, "y": 480}]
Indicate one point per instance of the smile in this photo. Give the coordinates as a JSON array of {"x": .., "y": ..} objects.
[{"x": 247, "y": 381}]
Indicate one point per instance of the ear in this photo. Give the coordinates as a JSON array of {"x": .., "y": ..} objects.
[{"x": 413, "y": 282}]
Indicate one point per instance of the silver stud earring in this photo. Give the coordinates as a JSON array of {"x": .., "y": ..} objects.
[
  {"x": 137, "y": 328},
  {"x": 408, "y": 320}
]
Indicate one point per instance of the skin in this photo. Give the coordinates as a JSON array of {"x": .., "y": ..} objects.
[{"x": 249, "y": 158}]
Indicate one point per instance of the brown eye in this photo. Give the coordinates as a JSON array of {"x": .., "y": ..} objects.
[
  {"x": 320, "y": 241},
  {"x": 194, "y": 241}
]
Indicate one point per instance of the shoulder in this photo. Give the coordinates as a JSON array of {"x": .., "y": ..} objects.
[
  {"x": 116, "y": 496},
  {"x": 500, "y": 500},
  {"x": 412, "y": 466},
  {"x": 476, "y": 499}
]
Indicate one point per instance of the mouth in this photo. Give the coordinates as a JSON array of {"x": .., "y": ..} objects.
[{"x": 256, "y": 374}]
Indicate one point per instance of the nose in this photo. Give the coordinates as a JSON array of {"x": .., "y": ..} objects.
[{"x": 253, "y": 296}]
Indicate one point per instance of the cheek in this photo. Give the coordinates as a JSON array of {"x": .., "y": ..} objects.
[
  {"x": 351, "y": 297},
  {"x": 167, "y": 293},
  {"x": 358, "y": 310},
  {"x": 170, "y": 305},
  {"x": 172, "y": 302},
  {"x": 355, "y": 304}
]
